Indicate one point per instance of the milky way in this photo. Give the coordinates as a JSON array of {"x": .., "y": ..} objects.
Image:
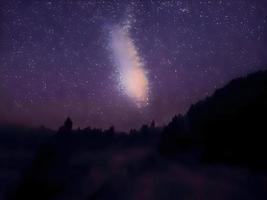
[
  {"x": 131, "y": 74},
  {"x": 122, "y": 62}
]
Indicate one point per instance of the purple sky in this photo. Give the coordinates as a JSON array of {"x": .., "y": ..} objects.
[{"x": 56, "y": 57}]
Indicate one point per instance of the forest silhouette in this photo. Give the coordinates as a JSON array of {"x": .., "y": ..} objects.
[{"x": 224, "y": 132}]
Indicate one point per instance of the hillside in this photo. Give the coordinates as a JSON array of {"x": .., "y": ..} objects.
[{"x": 230, "y": 125}]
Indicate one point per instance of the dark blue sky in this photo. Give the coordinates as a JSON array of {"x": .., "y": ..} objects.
[{"x": 56, "y": 57}]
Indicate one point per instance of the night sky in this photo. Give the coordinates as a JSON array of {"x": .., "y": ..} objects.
[{"x": 122, "y": 63}]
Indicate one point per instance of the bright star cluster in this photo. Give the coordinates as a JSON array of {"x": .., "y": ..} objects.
[
  {"x": 132, "y": 76},
  {"x": 122, "y": 62}
]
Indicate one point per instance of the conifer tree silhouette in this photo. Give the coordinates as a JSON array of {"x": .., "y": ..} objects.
[{"x": 67, "y": 127}]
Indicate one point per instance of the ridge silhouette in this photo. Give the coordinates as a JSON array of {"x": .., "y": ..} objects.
[{"x": 229, "y": 126}]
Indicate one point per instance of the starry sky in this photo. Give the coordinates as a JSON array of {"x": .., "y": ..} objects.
[{"x": 119, "y": 62}]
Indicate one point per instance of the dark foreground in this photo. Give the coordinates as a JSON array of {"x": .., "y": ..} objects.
[
  {"x": 216, "y": 151},
  {"x": 68, "y": 169}
]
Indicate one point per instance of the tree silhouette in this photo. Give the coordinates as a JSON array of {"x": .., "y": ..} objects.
[
  {"x": 67, "y": 127},
  {"x": 68, "y": 124}
]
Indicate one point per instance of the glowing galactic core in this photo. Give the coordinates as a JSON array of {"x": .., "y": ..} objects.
[{"x": 132, "y": 76}]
